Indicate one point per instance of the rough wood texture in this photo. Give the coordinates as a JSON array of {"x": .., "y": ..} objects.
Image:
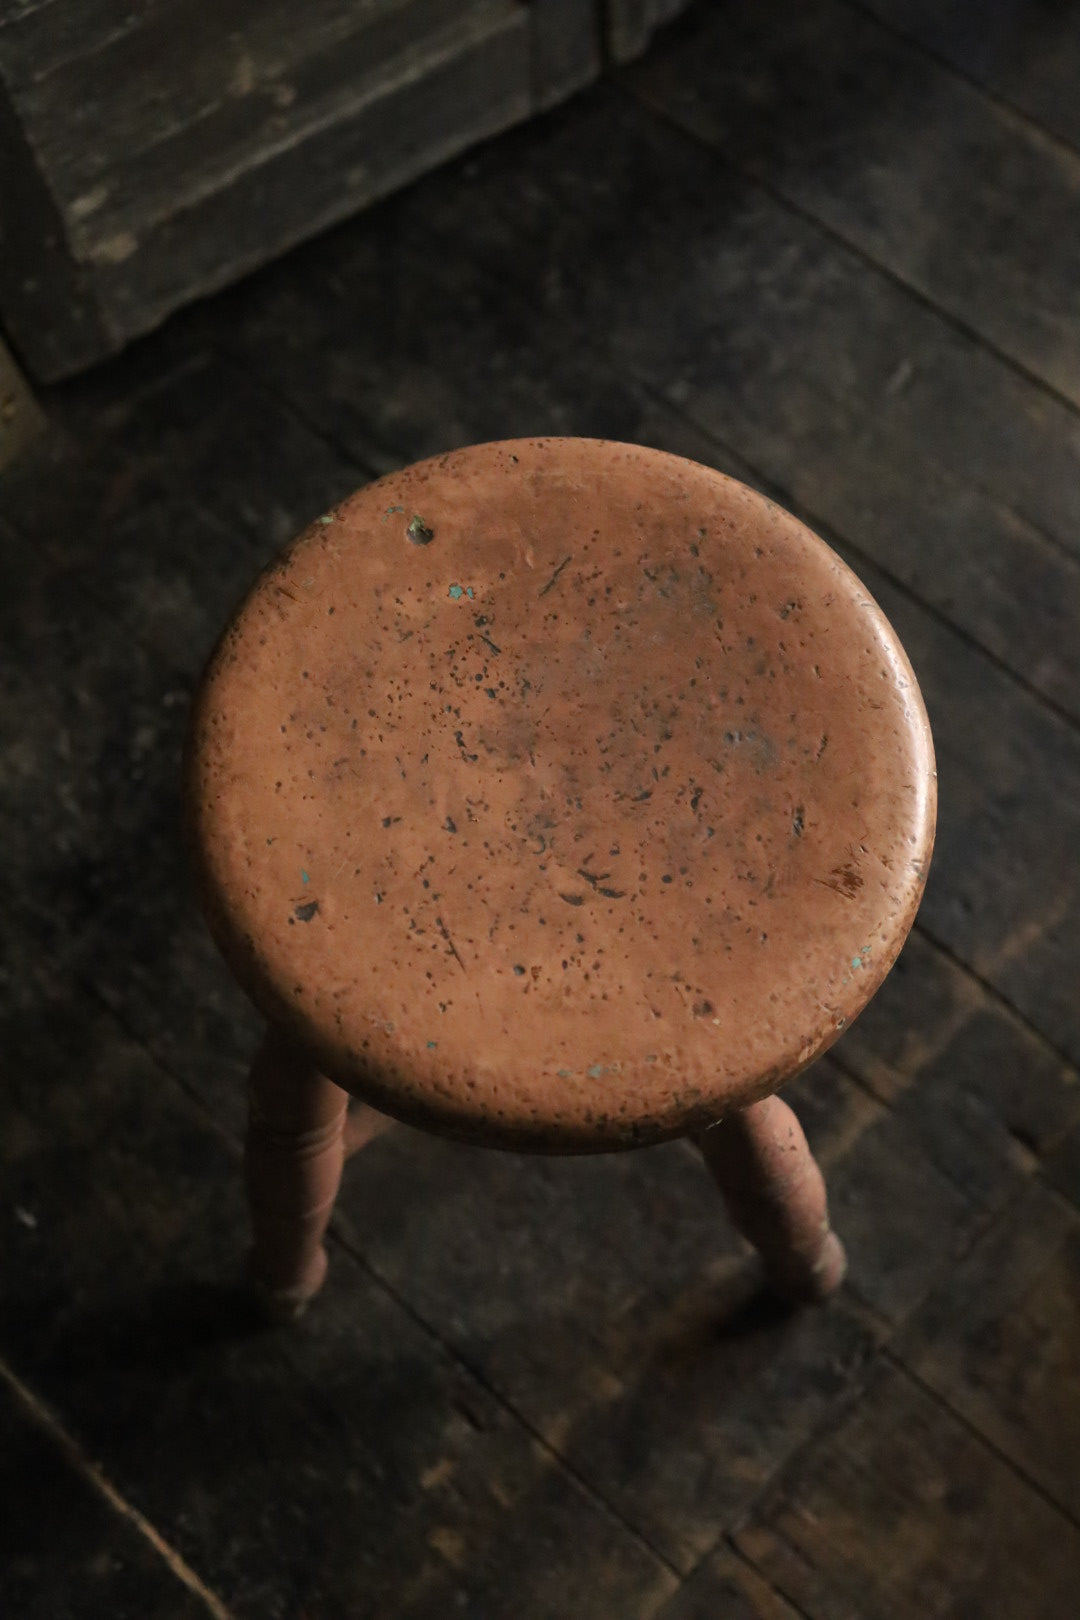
[
  {"x": 130, "y": 188},
  {"x": 537, "y": 1389},
  {"x": 51, "y": 1493},
  {"x": 1027, "y": 52},
  {"x": 1001, "y": 1342},
  {"x": 902, "y": 1510},
  {"x": 878, "y": 153},
  {"x": 282, "y": 1469},
  {"x": 152, "y": 188}
]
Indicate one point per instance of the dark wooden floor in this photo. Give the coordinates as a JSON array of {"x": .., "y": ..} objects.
[{"x": 833, "y": 247}]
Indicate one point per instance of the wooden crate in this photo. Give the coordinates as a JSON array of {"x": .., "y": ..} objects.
[{"x": 152, "y": 151}]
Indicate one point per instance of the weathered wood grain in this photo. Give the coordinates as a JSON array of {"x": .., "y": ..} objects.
[
  {"x": 726, "y": 1586},
  {"x": 65, "y": 1550},
  {"x": 1001, "y": 1342},
  {"x": 177, "y": 186},
  {"x": 610, "y": 1304},
  {"x": 901, "y": 1510},
  {"x": 139, "y": 532},
  {"x": 912, "y": 165},
  {"x": 1025, "y": 51},
  {"x": 127, "y": 144},
  {"x": 50, "y": 316},
  {"x": 950, "y": 1057},
  {"x": 349, "y": 1466}
]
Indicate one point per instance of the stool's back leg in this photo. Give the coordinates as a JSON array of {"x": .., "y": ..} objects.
[
  {"x": 295, "y": 1152},
  {"x": 775, "y": 1196}
]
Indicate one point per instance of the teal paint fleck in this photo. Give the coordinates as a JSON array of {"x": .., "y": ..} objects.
[
  {"x": 390, "y": 510},
  {"x": 303, "y": 876},
  {"x": 856, "y": 961},
  {"x": 596, "y": 1071},
  {"x": 431, "y": 1044},
  {"x": 565, "y": 1074},
  {"x": 456, "y": 592},
  {"x": 469, "y": 592}
]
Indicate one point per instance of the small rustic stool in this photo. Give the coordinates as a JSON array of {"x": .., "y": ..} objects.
[{"x": 558, "y": 795}]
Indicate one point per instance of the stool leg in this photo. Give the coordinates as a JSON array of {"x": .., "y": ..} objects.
[
  {"x": 775, "y": 1196},
  {"x": 362, "y": 1125},
  {"x": 295, "y": 1151}
]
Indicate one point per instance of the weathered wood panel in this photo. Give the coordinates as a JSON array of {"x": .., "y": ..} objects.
[
  {"x": 137, "y": 187},
  {"x": 727, "y": 1588},
  {"x": 349, "y": 1467},
  {"x": 65, "y": 1550},
  {"x": 1001, "y": 1342},
  {"x": 1026, "y": 51},
  {"x": 641, "y": 1349},
  {"x": 951, "y": 192},
  {"x": 179, "y": 183},
  {"x": 902, "y": 1511}
]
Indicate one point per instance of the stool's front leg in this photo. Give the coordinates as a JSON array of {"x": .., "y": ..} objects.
[
  {"x": 775, "y": 1196},
  {"x": 295, "y": 1151}
]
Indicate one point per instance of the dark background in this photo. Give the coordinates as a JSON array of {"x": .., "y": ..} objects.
[{"x": 830, "y": 247}]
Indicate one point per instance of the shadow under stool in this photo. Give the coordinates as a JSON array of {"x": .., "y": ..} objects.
[{"x": 557, "y": 795}]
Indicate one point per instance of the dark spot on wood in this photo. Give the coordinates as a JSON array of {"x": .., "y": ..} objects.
[
  {"x": 419, "y": 532},
  {"x": 305, "y": 912},
  {"x": 545, "y": 588},
  {"x": 845, "y": 879}
]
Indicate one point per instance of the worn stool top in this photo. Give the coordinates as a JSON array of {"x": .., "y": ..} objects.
[{"x": 560, "y": 793}]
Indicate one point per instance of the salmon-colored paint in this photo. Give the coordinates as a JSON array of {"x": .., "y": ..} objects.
[{"x": 560, "y": 794}]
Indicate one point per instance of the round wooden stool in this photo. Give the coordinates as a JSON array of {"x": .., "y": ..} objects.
[{"x": 558, "y": 795}]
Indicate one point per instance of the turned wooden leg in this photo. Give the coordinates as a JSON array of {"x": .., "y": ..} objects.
[
  {"x": 295, "y": 1151},
  {"x": 775, "y": 1196}
]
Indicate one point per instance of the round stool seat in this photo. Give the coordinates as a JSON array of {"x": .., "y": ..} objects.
[{"x": 560, "y": 794}]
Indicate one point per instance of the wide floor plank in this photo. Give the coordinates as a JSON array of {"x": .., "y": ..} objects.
[
  {"x": 903, "y": 1511},
  {"x": 350, "y": 1465},
  {"x": 911, "y": 164},
  {"x": 1027, "y": 52}
]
